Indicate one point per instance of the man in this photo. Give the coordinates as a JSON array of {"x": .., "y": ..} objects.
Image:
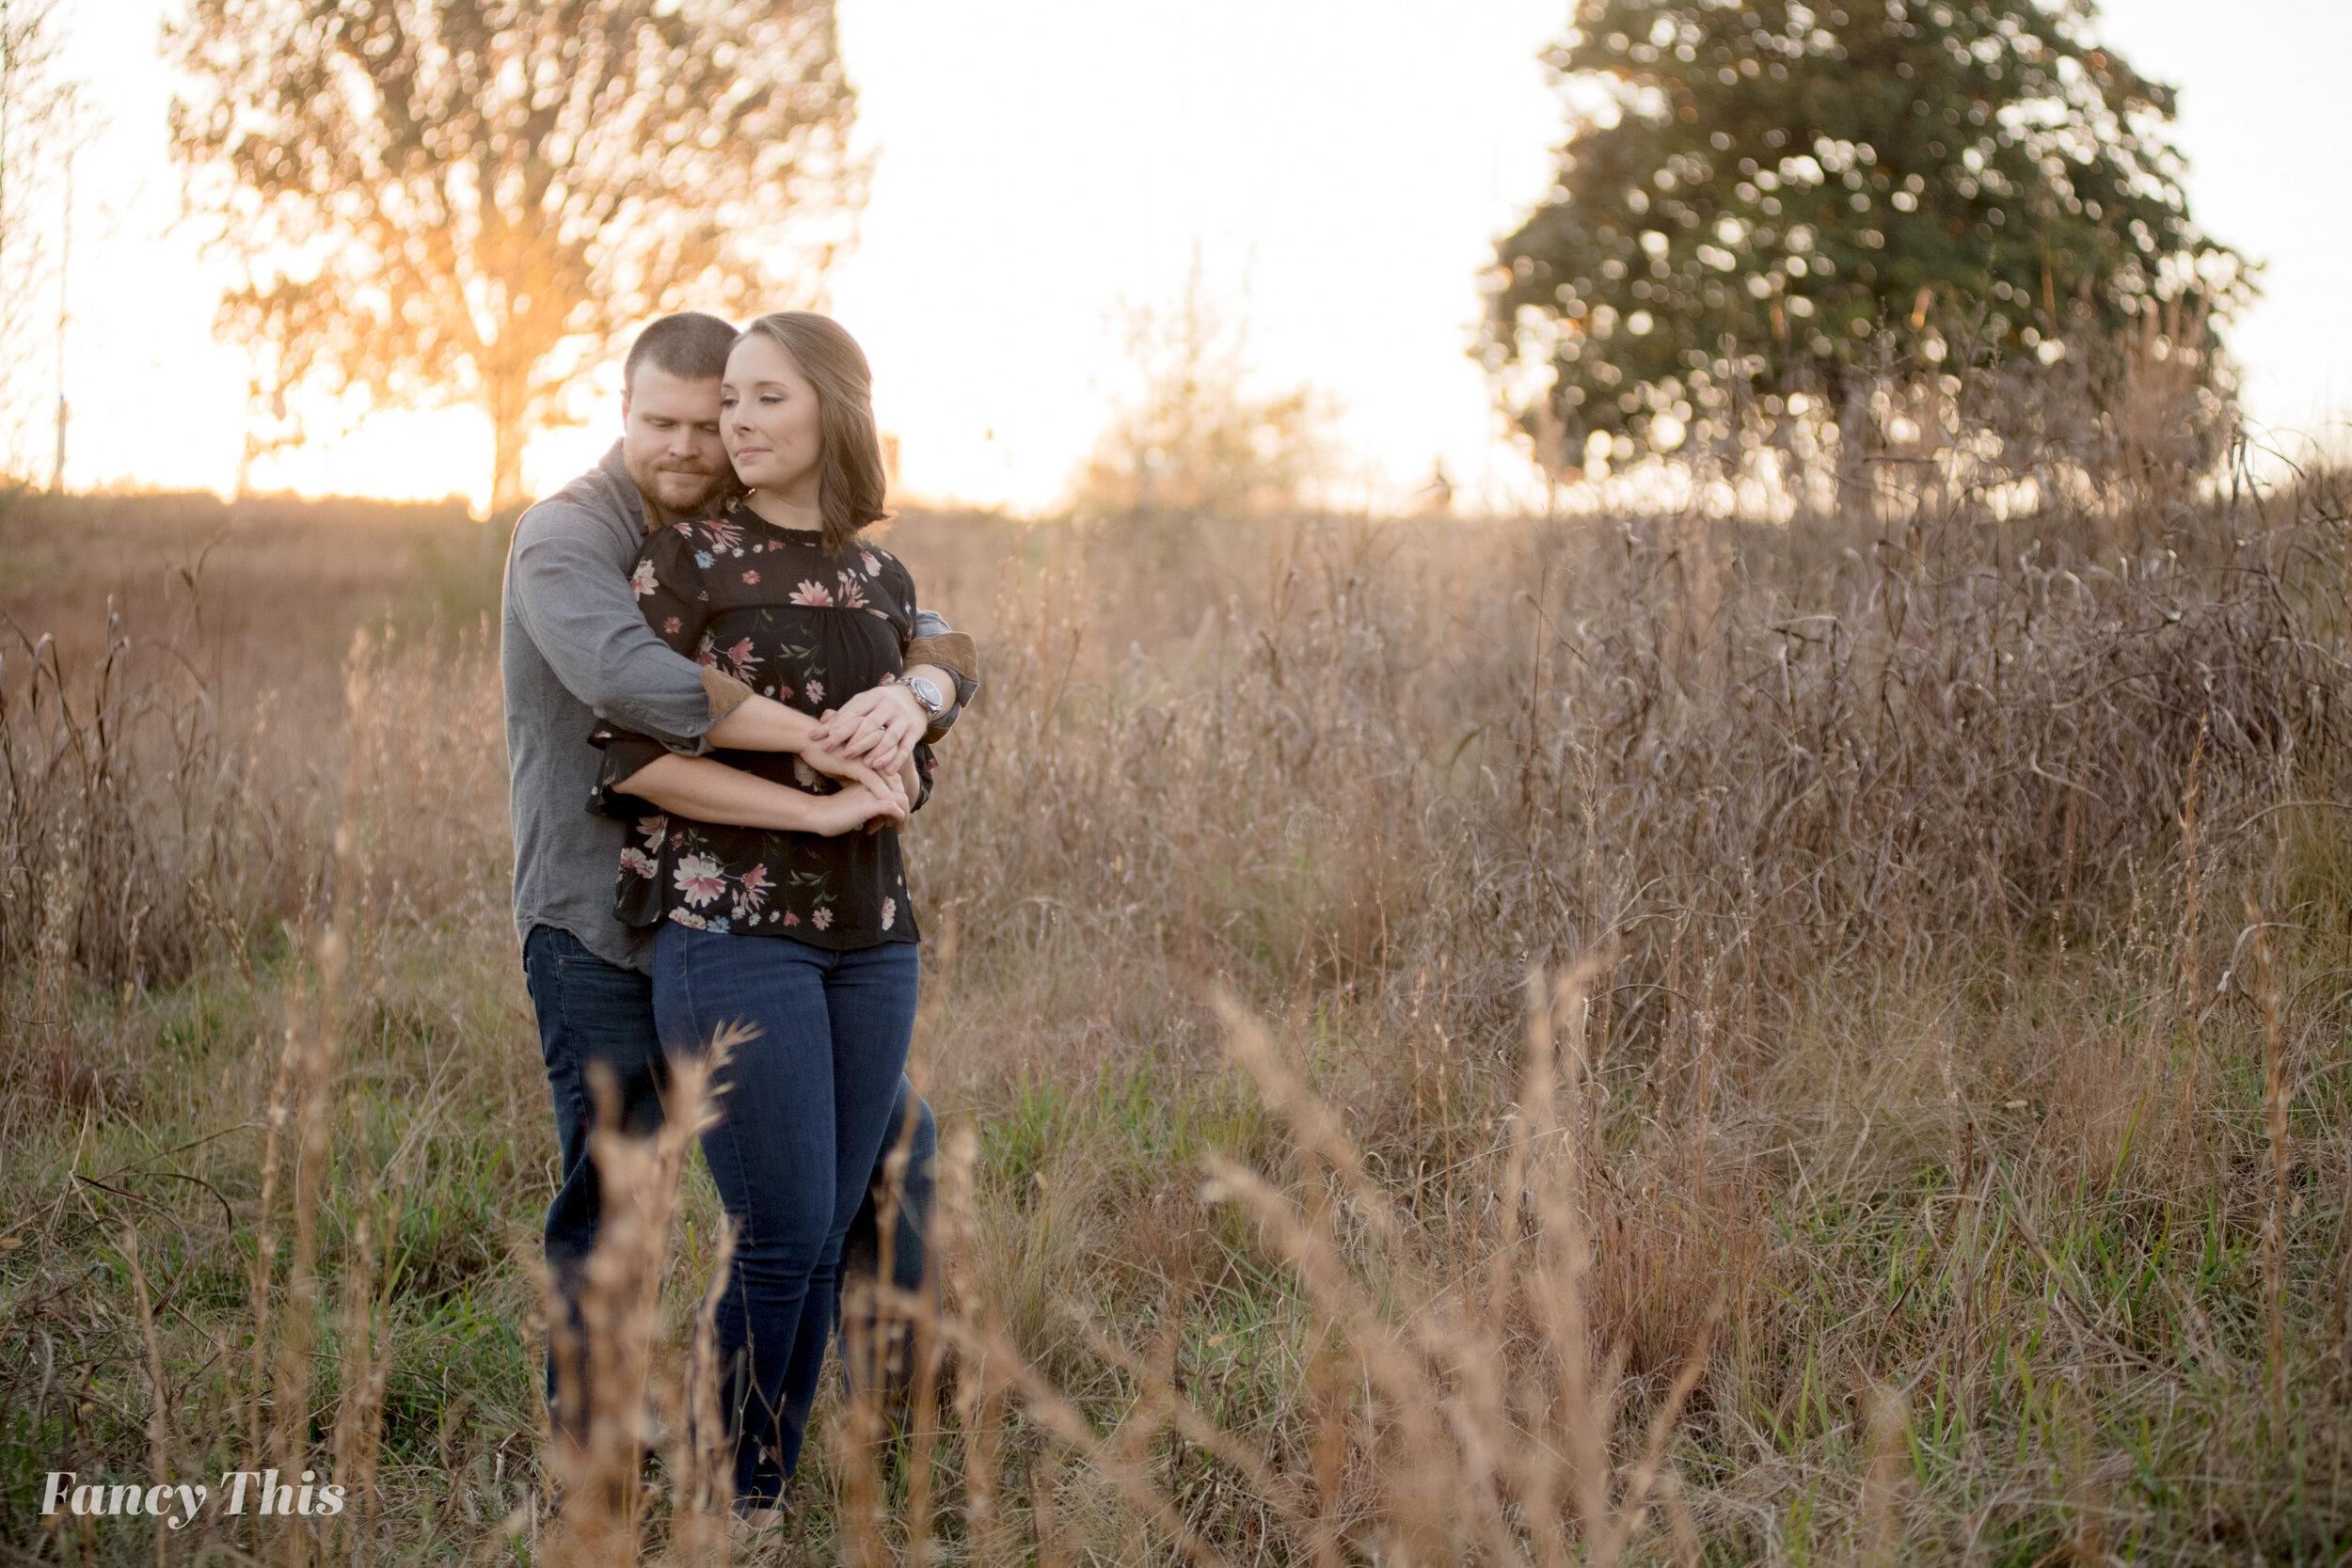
[{"x": 576, "y": 649}]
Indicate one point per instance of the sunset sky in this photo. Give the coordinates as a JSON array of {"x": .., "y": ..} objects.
[{"x": 1343, "y": 169}]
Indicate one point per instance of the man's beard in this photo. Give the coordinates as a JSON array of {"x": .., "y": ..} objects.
[{"x": 706, "y": 484}]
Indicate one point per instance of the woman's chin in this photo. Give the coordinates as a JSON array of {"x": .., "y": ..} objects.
[{"x": 772, "y": 478}]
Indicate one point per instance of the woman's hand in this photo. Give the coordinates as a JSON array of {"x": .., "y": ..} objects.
[
  {"x": 859, "y": 806},
  {"x": 708, "y": 790},
  {"x": 834, "y": 764},
  {"x": 878, "y": 727}
]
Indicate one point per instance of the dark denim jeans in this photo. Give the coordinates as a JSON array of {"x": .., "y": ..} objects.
[
  {"x": 891, "y": 1340},
  {"x": 593, "y": 1011},
  {"x": 590, "y": 1013},
  {"x": 803, "y": 1107}
]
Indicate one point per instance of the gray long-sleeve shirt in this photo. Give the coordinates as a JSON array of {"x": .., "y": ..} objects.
[{"x": 574, "y": 648}]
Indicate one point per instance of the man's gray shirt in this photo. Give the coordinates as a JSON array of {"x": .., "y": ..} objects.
[{"x": 574, "y": 648}]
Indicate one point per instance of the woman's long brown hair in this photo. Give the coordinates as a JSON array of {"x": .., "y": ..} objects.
[{"x": 851, "y": 477}]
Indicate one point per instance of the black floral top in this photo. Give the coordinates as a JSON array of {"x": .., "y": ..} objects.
[{"x": 770, "y": 607}]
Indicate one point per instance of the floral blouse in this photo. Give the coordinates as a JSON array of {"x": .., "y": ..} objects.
[{"x": 770, "y": 607}]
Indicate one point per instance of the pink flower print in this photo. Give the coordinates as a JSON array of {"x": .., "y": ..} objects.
[
  {"x": 722, "y": 533},
  {"x": 636, "y": 861},
  {"x": 684, "y": 527},
  {"x": 814, "y": 692},
  {"x": 751, "y": 579},
  {"x": 642, "y": 579},
  {"x": 890, "y": 913},
  {"x": 873, "y": 567},
  {"x": 670, "y": 625},
  {"x": 699, "y": 878},
  {"x": 822, "y": 920},
  {"x": 694, "y": 920},
  {"x": 852, "y": 592},
  {"x": 752, "y": 890},
  {"x": 802, "y": 774},
  {"x": 791, "y": 919},
  {"x": 739, "y": 659},
  {"x": 650, "y": 829},
  {"x": 811, "y": 594}
]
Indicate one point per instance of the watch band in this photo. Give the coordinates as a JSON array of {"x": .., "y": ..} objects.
[{"x": 934, "y": 704}]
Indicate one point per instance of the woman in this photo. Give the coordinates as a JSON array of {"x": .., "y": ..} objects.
[{"x": 799, "y": 925}]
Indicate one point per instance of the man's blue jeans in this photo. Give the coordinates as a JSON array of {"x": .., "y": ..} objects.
[
  {"x": 593, "y": 1011},
  {"x": 804, "y": 1109},
  {"x": 592, "y": 1014}
]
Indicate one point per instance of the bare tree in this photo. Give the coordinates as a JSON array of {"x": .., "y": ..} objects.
[
  {"x": 1198, "y": 440},
  {"x": 464, "y": 201},
  {"x": 33, "y": 103}
]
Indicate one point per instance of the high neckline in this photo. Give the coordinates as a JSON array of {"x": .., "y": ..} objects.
[{"x": 800, "y": 535}]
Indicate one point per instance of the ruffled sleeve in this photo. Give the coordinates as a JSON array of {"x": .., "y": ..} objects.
[{"x": 668, "y": 582}]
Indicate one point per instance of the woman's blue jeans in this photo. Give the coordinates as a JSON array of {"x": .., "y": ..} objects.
[{"x": 804, "y": 1109}]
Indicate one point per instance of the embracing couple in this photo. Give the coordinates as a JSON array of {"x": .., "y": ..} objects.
[{"x": 720, "y": 702}]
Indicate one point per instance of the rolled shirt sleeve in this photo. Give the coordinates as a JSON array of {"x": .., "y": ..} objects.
[{"x": 936, "y": 642}]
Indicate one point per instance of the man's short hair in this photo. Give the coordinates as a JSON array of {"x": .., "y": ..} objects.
[{"x": 689, "y": 346}]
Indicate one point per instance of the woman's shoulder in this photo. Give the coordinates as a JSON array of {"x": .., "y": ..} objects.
[
  {"x": 670, "y": 545},
  {"x": 728, "y": 531},
  {"x": 886, "y": 570},
  {"x": 691, "y": 550}
]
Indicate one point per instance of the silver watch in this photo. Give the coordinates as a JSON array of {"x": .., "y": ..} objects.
[{"x": 926, "y": 694}]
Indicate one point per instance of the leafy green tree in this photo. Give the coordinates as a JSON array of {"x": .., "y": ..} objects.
[
  {"x": 443, "y": 200},
  {"x": 1759, "y": 197}
]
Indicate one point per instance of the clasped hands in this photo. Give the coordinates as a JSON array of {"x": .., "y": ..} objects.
[{"x": 865, "y": 743}]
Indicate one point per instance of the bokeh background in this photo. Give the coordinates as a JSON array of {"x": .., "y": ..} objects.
[{"x": 1340, "y": 170}]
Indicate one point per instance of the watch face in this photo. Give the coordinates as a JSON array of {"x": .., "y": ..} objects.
[{"x": 926, "y": 693}]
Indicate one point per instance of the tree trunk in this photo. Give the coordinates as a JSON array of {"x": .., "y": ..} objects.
[
  {"x": 507, "y": 387},
  {"x": 506, "y": 466},
  {"x": 507, "y": 401},
  {"x": 1854, "y": 480}
]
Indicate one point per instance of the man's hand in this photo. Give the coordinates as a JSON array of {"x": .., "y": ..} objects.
[
  {"x": 878, "y": 727},
  {"x": 756, "y": 723}
]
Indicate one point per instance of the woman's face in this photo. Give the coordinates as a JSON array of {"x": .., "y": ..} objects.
[{"x": 768, "y": 419}]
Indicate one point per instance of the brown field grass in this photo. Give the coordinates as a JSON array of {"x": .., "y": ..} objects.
[{"x": 1646, "y": 1038}]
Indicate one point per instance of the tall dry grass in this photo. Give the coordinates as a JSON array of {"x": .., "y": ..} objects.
[{"x": 1741, "y": 1040}]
